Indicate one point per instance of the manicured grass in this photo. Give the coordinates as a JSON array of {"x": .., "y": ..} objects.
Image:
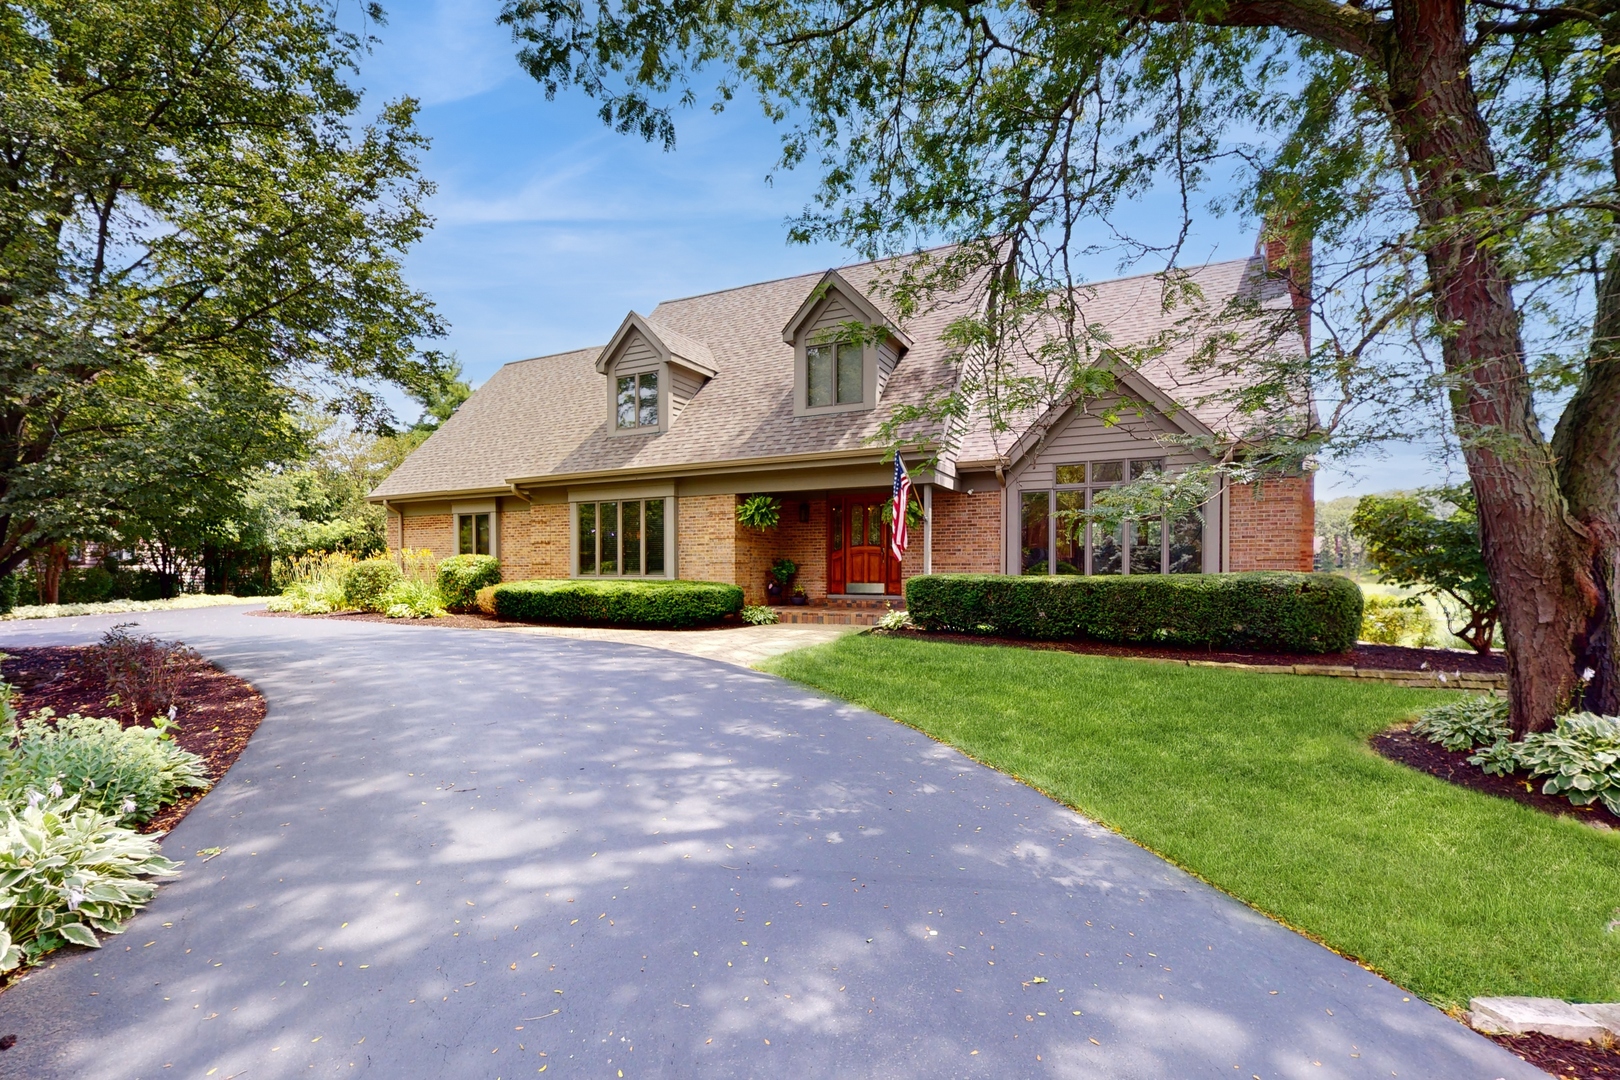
[{"x": 1264, "y": 785}]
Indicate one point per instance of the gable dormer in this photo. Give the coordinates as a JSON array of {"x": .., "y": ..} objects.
[
  {"x": 652, "y": 373},
  {"x": 843, "y": 349}
]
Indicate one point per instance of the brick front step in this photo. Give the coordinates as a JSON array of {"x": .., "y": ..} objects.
[{"x": 837, "y": 612}]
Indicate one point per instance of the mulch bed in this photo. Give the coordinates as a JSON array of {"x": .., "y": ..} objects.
[
  {"x": 217, "y": 714},
  {"x": 1571, "y": 1060},
  {"x": 1372, "y": 657},
  {"x": 1400, "y": 744}
]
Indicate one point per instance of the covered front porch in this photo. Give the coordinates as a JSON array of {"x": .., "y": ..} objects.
[{"x": 840, "y": 547}]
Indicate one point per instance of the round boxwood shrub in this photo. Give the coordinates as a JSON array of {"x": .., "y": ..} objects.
[
  {"x": 616, "y": 602},
  {"x": 1267, "y": 611},
  {"x": 368, "y": 581},
  {"x": 461, "y": 576}
]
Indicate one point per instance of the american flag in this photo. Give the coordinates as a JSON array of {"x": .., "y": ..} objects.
[{"x": 902, "y": 496}]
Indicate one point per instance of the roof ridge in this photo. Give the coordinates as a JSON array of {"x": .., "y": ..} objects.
[
  {"x": 553, "y": 356},
  {"x": 808, "y": 273}
]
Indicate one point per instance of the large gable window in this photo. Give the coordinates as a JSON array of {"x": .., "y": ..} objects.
[
  {"x": 1054, "y": 539},
  {"x": 637, "y": 401},
  {"x": 835, "y": 374}
]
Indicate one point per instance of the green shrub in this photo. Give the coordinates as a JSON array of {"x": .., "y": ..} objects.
[
  {"x": 8, "y": 592},
  {"x": 130, "y": 773},
  {"x": 1476, "y": 720},
  {"x": 1581, "y": 758},
  {"x": 618, "y": 603},
  {"x": 368, "y": 581},
  {"x": 758, "y": 615},
  {"x": 67, "y": 872},
  {"x": 142, "y": 672},
  {"x": 461, "y": 576},
  {"x": 1273, "y": 611},
  {"x": 412, "y": 600},
  {"x": 1387, "y": 620}
]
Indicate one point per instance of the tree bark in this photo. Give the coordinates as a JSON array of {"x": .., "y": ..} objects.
[{"x": 1541, "y": 559}]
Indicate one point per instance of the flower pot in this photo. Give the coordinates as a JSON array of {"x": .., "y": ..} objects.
[
  {"x": 773, "y": 589},
  {"x": 800, "y": 600}
]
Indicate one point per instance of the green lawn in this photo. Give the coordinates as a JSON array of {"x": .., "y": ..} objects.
[{"x": 1264, "y": 785}]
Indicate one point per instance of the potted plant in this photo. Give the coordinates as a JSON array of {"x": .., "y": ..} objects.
[
  {"x": 779, "y": 578},
  {"x": 800, "y": 597}
]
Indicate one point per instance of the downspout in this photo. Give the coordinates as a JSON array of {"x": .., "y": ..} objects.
[{"x": 928, "y": 528}]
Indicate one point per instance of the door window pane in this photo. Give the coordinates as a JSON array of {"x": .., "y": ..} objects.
[
  {"x": 849, "y": 372},
  {"x": 1140, "y": 469},
  {"x": 608, "y": 525},
  {"x": 1187, "y": 544},
  {"x": 1107, "y": 472},
  {"x": 655, "y": 536},
  {"x": 838, "y": 526},
  {"x": 874, "y": 526},
  {"x": 587, "y": 538},
  {"x": 626, "y": 402},
  {"x": 1071, "y": 532},
  {"x": 1034, "y": 522},
  {"x": 1147, "y": 552},
  {"x": 632, "y": 537},
  {"x": 819, "y": 359},
  {"x": 480, "y": 534},
  {"x": 1106, "y": 550},
  {"x": 464, "y": 535},
  {"x": 649, "y": 399},
  {"x": 1071, "y": 474}
]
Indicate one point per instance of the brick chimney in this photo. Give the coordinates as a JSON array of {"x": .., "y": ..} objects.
[{"x": 1287, "y": 254}]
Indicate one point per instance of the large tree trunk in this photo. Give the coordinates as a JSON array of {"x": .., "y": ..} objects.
[{"x": 1542, "y": 561}]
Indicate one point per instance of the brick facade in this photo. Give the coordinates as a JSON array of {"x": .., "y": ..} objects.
[
  {"x": 1271, "y": 524},
  {"x": 706, "y": 538},
  {"x": 432, "y": 532},
  {"x": 534, "y": 542},
  {"x": 967, "y": 534}
]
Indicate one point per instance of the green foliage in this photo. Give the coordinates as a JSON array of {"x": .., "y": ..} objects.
[
  {"x": 68, "y": 873},
  {"x": 1340, "y": 549},
  {"x": 1498, "y": 759},
  {"x": 412, "y": 600},
  {"x": 758, "y": 615},
  {"x": 143, "y": 673},
  {"x": 1580, "y": 757},
  {"x": 315, "y": 585},
  {"x": 1408, "y": 543},
  {"x": 896, "y": 620},
  {"x": 759, "y": 512},
  {"x": 8, "y": 593},
  {"x": 671, "y": 604},
  {"x": 1466, "y": 722},
  {"x": 783, "y": 570},
  {"x": 461, "y": 576},
  {"x": 202, "y": 230},
  {"x": 368, "y": 582},
  {"x": 130, "y": 773},
  {"x": 1386, "y": 620},
  {"x": 1271, "y": 611}
]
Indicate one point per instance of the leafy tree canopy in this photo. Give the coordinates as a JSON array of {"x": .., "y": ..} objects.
[{"x": 198, "y": 234}]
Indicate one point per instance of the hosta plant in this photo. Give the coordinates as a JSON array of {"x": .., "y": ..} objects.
[
  {"x": 1477, "y": 720},
  {"x": 1580, "y": 757},
  {"x": 67, "y": 873},
  {"x": 412, "y": 600},
  {"x": 128, "y": 773},
  {"x": 758, "y": 615}
]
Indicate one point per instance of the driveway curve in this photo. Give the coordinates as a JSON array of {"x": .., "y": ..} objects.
[{"x": 452, "y": 853}]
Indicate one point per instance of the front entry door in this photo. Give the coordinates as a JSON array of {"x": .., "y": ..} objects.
[{"x": 858, "y": 555}]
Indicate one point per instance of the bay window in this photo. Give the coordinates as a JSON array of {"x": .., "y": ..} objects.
[{"x": 1055, "y": 539}]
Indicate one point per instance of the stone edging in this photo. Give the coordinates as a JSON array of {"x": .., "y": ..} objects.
[
  {"x": 1433, "y": 680},
  {"x": 1599, "y": 1024}
]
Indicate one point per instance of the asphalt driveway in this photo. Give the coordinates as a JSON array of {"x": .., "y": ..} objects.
[{"x": 452, "y": 853}]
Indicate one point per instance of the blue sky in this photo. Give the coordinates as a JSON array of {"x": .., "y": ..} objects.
[{"x": 550, "y": 226}]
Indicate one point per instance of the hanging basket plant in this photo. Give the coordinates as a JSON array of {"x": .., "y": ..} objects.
[
  {"x": 759, "y": 512},
  {"x": 914, "y": 514}
]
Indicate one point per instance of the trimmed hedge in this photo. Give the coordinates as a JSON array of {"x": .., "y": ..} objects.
[
  {"x": 461, "y": 576},
  {"x": 1265, "y": 611},
  {"x": 368, "y": 581},
  {"x": 617, "y": 603}
]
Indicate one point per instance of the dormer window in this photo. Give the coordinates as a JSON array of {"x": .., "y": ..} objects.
[
  {"x": 637, "y": 401},
  {"x": 836, "y": 374}
]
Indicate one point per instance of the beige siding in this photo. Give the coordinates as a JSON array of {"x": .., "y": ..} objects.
[
  {"x": 887, "y": 358},
  {"x": 833, "y": 315},
  {"x": 684, "y": 387},
  {"x": 1085, "y": 437},
  {"x": 636, "y": 355}
]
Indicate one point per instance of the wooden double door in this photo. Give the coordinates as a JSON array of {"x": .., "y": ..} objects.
[{"x": 858, "y": 557}]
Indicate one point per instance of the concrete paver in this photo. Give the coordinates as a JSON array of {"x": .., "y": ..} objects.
[{"x": 453, "y": 853}]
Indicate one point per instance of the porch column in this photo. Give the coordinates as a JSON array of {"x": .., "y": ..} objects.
[{"x": 928, "y": 528}]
